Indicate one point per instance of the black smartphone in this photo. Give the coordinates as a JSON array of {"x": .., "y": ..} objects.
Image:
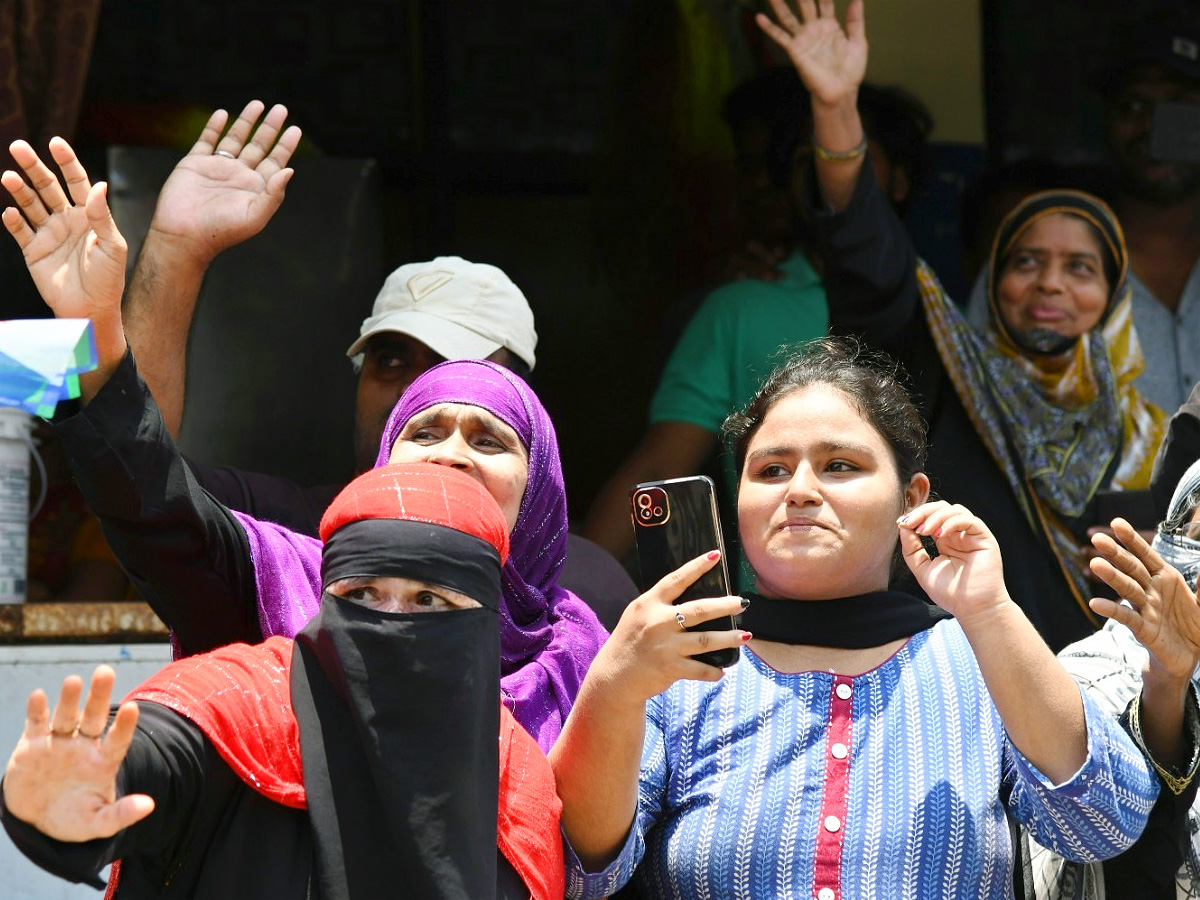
[
  {"x": 1175, "y": 132},
  {"x": 675, "y": 521}
]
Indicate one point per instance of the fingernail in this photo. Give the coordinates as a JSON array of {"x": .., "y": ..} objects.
[
  {"x": 746, "y": 636},
  {"x": 745, "y": 602},
  {"x": 938, "y": 533},
  {"x": 713, "y": 554},
  {"x": 903, "y": 520}
]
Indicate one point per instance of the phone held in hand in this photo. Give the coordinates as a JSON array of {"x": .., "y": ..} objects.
[{"x": 675, "y": 521}]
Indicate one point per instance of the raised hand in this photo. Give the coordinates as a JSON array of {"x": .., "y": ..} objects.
[
  {"x": 966, "y": 576},
  {"x": 831, "y": 60},
  {"x": 72, "y": 246},
  {"x": 649, "y": 649},
  {"x": 61, "y": 779},
  {"x": 1164, "y": 615},
  {"x": 227, "y": 188}
]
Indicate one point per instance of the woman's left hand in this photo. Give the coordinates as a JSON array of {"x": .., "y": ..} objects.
[
  {"x": 1164, "y": 615},
  {"x": 966, "y": 576}
]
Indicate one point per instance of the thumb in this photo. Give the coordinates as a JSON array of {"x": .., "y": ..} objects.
[
  {"x": 278, "y": 182},
  {"x": 118, "y": 816},
  {"x": 100, "y": 217}
]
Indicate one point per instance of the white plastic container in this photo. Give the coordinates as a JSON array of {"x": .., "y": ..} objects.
[{"x": 16, "y": 444}]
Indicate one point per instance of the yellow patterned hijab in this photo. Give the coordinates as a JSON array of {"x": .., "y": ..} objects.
[{"x": 1060, "y": 426}]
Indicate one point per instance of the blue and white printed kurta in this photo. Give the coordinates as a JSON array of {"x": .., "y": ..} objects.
[{"x": 735, "y": 795}]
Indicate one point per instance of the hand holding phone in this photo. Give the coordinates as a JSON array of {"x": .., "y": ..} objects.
[{"x": 675, "y": 521}]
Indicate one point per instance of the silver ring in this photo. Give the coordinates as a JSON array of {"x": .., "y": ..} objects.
[
  {"x": 224, "y": 153},
  {"x": 680, "y": 619}
]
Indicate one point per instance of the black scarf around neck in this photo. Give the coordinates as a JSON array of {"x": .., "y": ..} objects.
[
  {"x": 399, "y": 716},
  {"x": 851, "y": 623}
]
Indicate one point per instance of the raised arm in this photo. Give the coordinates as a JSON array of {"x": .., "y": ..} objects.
[
  {"x": 1037, "y": 700},
  {"x": 831, "y": 61},
  {"x": 869, "y": 261},
  {"x": 223, "y": 192},
  {"x": 72, "y": 247}
]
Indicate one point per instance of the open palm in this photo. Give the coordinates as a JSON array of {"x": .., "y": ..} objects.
[
  {"x": 61, "y": 778},
  {"x": 831, "y": 60},
  {"x": 227, "y": 188},
  {"x": 1163, "y": 614},
  {"x": 73, "y": 250}
]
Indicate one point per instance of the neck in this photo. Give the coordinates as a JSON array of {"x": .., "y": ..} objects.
[{"x": 794, "y": 658}]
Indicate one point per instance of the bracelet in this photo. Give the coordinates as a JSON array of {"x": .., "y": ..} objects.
[
  {"x": 1176, "y": 783},
  {"x": 846, "y": 156}
]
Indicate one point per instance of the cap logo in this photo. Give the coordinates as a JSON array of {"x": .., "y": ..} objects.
[
  {"x": 1184, "y": 47},
  {"x": 424, "y": 284}
]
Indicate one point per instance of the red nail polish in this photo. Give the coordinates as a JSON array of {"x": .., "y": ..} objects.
[
  {"x": 746, "y": 636},
  {"x": 714, "y": 554}
]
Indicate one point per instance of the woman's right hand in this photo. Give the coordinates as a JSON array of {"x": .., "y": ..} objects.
[
  {"x": 650, "y": 650},
  {"x": 61, "y": 778}
]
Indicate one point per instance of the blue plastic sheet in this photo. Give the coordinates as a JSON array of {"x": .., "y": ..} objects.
[{"x": 41, "y": 361}]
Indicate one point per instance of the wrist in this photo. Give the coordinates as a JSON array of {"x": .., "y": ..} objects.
[
  {"x": 1159, "y": 685},
  {"x": 173, "y": 250},
  {"x": 984, "y": 618}
]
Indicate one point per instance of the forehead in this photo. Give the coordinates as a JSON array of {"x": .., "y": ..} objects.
[
  {"x": 1061, "y": 230},
  {"x": 817, "y": 415}
]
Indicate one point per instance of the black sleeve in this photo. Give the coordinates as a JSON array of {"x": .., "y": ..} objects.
[
  {"x": 169, "y": 759},
  {"x": 1180, "y": 449},
  {"x": 870, "y": 272},
  {"x": 184, "y": 552},
  {"x": 268, "y": 498},
  {"x": 870, "y": 278},
  {"x": 1147, "y": 869}
]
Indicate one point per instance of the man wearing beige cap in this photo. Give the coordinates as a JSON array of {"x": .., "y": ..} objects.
[
  {"x": 224, "y": 192},
  {"x": 426, "y": 312}
]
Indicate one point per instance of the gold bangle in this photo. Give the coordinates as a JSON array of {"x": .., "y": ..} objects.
[
  {"x": 847, "y": 156},
  {"x": 1176, "y": 784}
]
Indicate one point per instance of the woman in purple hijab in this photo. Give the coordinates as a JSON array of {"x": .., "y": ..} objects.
[{"x": 548, "y": 636}]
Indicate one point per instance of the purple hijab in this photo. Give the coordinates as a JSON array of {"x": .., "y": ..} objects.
[{"x": 548, "y": 636}]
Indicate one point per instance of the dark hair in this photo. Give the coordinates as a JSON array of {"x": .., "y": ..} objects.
[
  {"x": 869, "y": 379},
  {"x": 771, "y": 94},
  {"x": 901, "y": 124}
]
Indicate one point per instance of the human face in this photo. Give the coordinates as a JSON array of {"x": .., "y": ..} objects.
[
  {"x": 473, "y": 440},
  {"x": 819, "y": 497},
  {"x": 1053, "y": 279},
  {"x": 393, "y": 594},
  {"x": 391, "y": 362},
  {"x": 1128, "y": 123}
]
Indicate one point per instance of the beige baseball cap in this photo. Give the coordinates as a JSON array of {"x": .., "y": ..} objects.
[{"x": 459, "y": 309}]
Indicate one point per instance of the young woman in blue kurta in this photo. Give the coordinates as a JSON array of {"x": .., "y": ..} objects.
[{"x": 865, "y": 744}]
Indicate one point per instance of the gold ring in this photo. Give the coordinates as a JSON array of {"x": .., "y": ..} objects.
[
  {"x": 93, "y": 737},
  {"x": 64, "y": 734}
]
